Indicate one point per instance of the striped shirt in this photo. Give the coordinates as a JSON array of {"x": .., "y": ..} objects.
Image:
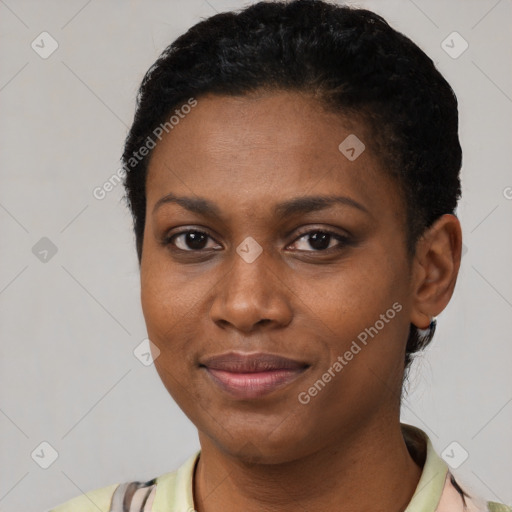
[{"x": 437, "y": 489}]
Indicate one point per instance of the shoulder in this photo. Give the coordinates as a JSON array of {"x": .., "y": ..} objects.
[
  {"x": 167, "y": 492},
  {"x": 498, "y": 507},
  {"x": 114, "y": 497},
  {"x": 93, "y": 501}
]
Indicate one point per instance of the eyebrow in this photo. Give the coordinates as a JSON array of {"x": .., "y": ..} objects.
[
  {"x": 309, "y": 204},
  {"x": 305, "y": 204},
  {"x": 197, "y": 205}
]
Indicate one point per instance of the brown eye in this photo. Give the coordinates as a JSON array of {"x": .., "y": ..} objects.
[
  {"x": 191, "y": 240},
  {"x": 317, "y": 241}
]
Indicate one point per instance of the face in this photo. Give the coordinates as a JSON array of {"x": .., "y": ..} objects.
[{"x": 274, "y": 275}]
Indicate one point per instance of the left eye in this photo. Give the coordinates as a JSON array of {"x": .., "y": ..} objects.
[{"x": 319, "y": 241}]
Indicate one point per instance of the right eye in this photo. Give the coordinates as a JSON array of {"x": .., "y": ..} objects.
[{"x": 191, "y": 240}]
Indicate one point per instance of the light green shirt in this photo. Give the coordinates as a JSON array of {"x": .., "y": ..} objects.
[{"x": 173, "y": 491}]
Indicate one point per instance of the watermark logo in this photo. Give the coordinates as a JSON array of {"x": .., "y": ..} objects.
[
  {"x": 454, "y": 45},
  {"x": 146, "y": 352},
  {"x": 158, "y": 132},
  {"x": 44, "y": 250},
  {"x": 44, "y": 45},
  {"x": 454, "y": 455},
  {"x": 101, "y": 191},
  {"x": 44, "y": 455},
  {"x": 109, "y": 185},
  {"x": 351, "y": 147},
  {"x": 249, "y": 250}
]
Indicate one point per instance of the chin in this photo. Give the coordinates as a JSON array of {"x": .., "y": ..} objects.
[{"x": 258, "y": 445}]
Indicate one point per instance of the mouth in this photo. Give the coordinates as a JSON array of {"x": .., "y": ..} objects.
[{"x": 251, "y": 376}]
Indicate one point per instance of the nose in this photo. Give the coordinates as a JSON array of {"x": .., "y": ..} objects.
[{"x": 251, "y": 296}]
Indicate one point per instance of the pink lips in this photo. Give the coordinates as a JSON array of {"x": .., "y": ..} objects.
[{"x": 249, "y": 376}]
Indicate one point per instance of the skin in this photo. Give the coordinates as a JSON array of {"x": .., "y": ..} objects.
[{"x": 245, "y": 155}]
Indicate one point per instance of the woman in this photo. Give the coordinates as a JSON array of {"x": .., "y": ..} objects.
[{"x": 293, "y": 173}]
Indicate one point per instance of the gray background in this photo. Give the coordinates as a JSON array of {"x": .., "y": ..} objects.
[{"x": 69, "y": 324}]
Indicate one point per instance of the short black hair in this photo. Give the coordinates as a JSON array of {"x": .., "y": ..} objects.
[{"x": 351, "y": 60}]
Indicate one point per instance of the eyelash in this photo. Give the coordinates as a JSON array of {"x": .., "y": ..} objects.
[{"x": 344, "y": 241}]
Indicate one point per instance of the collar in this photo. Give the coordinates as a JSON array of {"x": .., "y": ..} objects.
[
  {"x": 430, "y": 487},
  {"x": 176, "y": 488}
]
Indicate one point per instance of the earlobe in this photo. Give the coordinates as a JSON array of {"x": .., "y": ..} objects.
[
  {"x": 436, "y": 266},
  {"x": 426, "y": 331}
]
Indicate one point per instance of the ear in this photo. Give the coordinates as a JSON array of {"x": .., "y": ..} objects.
[{"x": 435, "y": 268}]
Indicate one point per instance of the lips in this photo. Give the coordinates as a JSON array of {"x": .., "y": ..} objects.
[{"x": 250, "y": 376}]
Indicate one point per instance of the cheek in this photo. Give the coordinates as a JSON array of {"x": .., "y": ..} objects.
[
  {"x": 166, "y": 295},
  {"x": 166, "y": 310},
  {"x": 174, "y": 302},
  {"x": 361, "y": 311},
  {"x": 351, "y": 298}
]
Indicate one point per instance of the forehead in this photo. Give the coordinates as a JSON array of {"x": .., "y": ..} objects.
[{"x": 268, "y": 147}]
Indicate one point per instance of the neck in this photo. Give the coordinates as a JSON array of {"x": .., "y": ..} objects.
[{"x": 372, "y": 470}]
